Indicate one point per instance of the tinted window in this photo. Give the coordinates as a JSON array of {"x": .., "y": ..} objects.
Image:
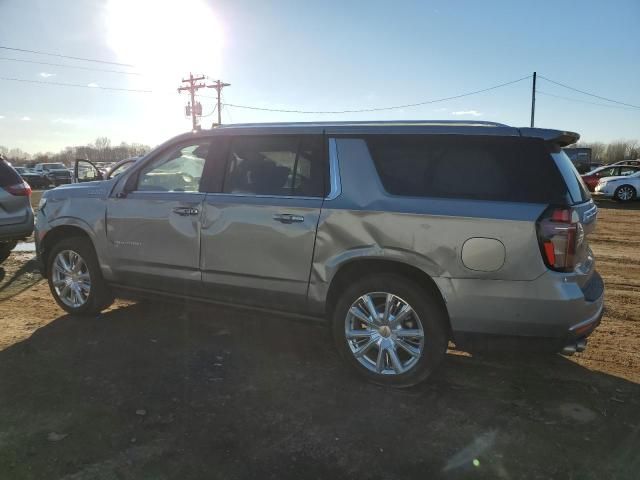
[
  {"x": 577, "y": 189},
  {"x": 177, "y": 170},
  {"x": 470, "y": 167},
  {"x": 276, "y": 165},
  {"x": 8, "y": 176}
]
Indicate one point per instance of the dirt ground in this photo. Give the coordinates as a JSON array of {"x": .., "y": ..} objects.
[{"x": 155, "y": 391}]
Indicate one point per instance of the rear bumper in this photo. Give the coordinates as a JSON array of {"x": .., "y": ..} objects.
[{"x": 554, "y": 306}]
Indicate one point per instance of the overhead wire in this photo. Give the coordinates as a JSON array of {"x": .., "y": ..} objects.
[
  {"x": 62, "y": 84},
  {"x": 378, "y": 109},
  {"x": 50, "y": 54},
  {"x": 588, "y": 93},
  {"x": 77, "y": 67},
  {"x": 584, "y": 101}
]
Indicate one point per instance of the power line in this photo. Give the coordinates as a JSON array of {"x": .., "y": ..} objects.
[
  {"x": 24, "y": 50},
  {"x": 68, "y": 66},
  {"x": 590, "y": 94},
  {"x": 61, "y": 84},
  {"x": 584, "y": 101},
  {"x": 378, "y": 109}
]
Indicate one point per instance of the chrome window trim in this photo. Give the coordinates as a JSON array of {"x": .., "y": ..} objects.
[
  {"x": 334, "y": 177},
  {"x": 165, "y": 191},
  {"x": 255, "y": 195},
  {"x": 334, "y": 171}
]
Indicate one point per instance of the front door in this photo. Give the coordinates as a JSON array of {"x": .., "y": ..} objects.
[
  {"x": 153, "y": 231},
  {"x": 258, "y": 234}
]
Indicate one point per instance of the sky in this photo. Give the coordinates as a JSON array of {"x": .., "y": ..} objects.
[{"x": 317, "y": 56}]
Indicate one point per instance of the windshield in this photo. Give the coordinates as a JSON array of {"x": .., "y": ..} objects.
[{"x": 53, "y": 166}]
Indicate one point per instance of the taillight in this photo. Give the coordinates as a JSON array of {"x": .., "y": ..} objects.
[
  {"x": 19, "y": 189},
  {"x": 559, "y": 232}
]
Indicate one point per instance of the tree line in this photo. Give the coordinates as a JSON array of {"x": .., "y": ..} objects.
[
  {"x": 99, "y": 151},
  {"x": 612, "y": 152},
  {"x": 102, "y": 151}
]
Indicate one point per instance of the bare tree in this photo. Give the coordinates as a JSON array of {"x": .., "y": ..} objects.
[
  {"x": 598, "y": 150},
  {"x": 617, "y": 151}
]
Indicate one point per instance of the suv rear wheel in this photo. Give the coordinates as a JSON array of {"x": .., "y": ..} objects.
[
  {"x": 390, "y": 330},
  {"x": 75, "y": 278}
]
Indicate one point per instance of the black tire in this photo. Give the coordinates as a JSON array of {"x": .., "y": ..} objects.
[
  {"x": 100, "y": 296},
  {"x": 623, "y": 189},
  {"x": 5, "y": 250},
  {"x": 429, "y": 309}
]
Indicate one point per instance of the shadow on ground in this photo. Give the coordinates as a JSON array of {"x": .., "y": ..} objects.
[
  {"x": 17, "y": 276},
  {"x": 613, "y": 205},
  {"x": 158, "y": 391}
]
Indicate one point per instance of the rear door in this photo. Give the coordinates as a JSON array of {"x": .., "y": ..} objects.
[
  {"x": 153, "y": 231},
  {"x": 258, "y": 233}
]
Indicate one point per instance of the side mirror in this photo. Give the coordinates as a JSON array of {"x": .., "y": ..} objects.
[{"x": 129, "y": 186}]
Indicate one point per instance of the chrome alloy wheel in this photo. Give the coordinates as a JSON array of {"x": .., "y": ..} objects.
[
  {"x": 384, "y": 333},
  {"x": 70, "y": 278},
  {"x": 625, "y": 193}
]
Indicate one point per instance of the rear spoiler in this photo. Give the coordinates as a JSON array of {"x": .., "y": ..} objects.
[{"x": 558, "y": 137}]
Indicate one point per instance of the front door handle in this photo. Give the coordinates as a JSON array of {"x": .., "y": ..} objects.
[
  {"x": 288, "y": 218},
  {"x": 185, "y": 211}
]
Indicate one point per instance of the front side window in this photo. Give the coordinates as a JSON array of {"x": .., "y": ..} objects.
[
  {"x": 276, "y": 165},
  {"x": 177, "y": 170}
]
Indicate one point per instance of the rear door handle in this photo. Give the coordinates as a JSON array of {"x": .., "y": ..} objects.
[
  {"x": 288, "y": 218},
  {"x": 185, "y": 211}
]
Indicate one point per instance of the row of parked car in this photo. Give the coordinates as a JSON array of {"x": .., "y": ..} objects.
[
  {"x": 620, "y": 180},
  {"x": 16, "y": 184},
  {"x": 45, "y": 175}
]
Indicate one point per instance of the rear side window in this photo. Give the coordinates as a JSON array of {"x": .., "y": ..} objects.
[
  {"x": 276, "y": 165},
  {"x": 512, "y": 169},
  {"x": 8, "y": 176},
  {"x": 577, "y": 189}
]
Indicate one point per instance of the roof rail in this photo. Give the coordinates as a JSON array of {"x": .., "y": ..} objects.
[{"x": 479, "y": 123}]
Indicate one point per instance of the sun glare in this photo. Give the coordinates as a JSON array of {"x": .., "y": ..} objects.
[{"x": 163, "y": 38}]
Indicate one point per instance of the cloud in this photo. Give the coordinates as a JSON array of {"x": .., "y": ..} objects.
[
  {"x": 67, "y": 121},
  {"x": 1, "y": 117},
  {"x": 473, "y": 113},
  {"x": 26, "y": 119},
  {"x": 47, "y": 75},
  {"x": 93, "y": 85}
]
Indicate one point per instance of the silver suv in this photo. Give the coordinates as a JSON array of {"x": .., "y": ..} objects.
[
  {"x": 16, "y": 215},
  {"x": 403, "y": 235}
]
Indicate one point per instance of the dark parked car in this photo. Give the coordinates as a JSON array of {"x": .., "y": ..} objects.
[
  {"x": 55, "y": 173},
  {"x": 35, "y": 180}
]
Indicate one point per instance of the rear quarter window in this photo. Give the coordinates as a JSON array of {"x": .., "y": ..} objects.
[
  {"x": 578, "y": 191},
  {"x": 8, "y": 176},
  {"x": 512, "y": 169}
]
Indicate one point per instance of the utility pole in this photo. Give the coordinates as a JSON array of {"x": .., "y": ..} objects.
[
  {"x": 193, "y": 87},
  {"x": 533, "y": 100},
  {"x": 219, "y": 85}
]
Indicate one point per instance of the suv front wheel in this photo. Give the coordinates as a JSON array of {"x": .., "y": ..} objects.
[
  {"x": 75, "y": 278},
  {"x": 391, "y": 330}
]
